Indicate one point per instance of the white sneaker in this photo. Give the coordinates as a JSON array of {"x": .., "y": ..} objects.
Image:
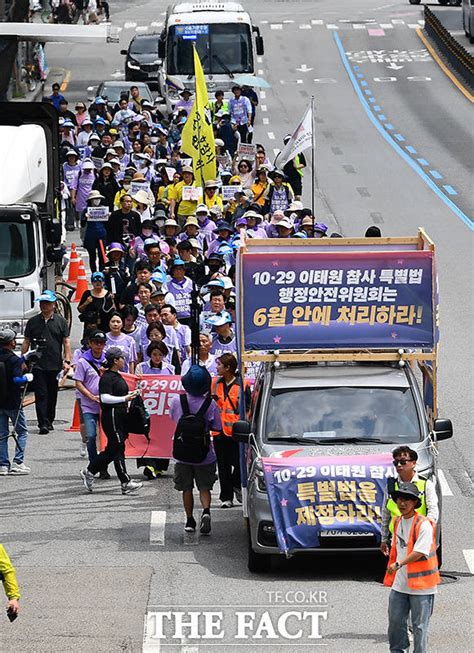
[
  {"x": 83, "y": 450},
  {"x": 19, "y": 468},
  {"x": 87, "y": 479},
  {"x": 4, "y": 471},
  {"x": 131, "y": 486},
  {"x": 227, "y": 504}
]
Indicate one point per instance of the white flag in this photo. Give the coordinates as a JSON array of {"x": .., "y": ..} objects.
[{"x": 300, "y": 140}]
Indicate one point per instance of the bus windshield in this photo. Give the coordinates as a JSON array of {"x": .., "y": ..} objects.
[
  {"x": 17, "y": 249},
  {"x": 223, "y": 48}
]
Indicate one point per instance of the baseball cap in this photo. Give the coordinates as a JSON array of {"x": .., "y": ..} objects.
[
  {"x": 97, "y": 335},
  {"x": 6, "y": 336},
  {"x": 46, "y": 296},
  {"x": 407, "y": 490},
  {"x": 219, "y": 319}
]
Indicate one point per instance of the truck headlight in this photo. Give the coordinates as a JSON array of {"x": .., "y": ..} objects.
[{"x": 133, "y": 66}]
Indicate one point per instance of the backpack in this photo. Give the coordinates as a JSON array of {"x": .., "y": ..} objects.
[
  {"x": 192, "y": 439},
  {"x": 138, "y": 418},
  {"x": 5, "y": 378}
]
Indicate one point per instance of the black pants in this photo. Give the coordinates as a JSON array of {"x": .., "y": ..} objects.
[
  {"x": 95, "y": 252},
  {"x": 228, "y": 466},
  {"x": 115, "y": 448},
  {"x": 46, "y": 396},
  {"x": 244, "y": 133}
]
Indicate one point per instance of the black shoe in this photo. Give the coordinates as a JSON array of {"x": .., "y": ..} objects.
[
  {"x": 104, "y": 475},
  {"x": 43, "y": 430},
  {"x": 149, "y": 473},
  {"x": 205, "y": 527},
  {"x": 190, "y": 526},
  {"x": 50, "y": 426}
]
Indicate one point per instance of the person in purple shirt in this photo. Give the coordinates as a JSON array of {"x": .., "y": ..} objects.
[
  {"x": 186, "y": 102},
  {"x": 197, "y": 385},
  {"x": 156, "y": 353},
  {"x": 84, "y": 183},
  {"x": 224, "y": 233},
  {"x": 206, "y": 225},
  {"x": 180, "y": 286},
  {"x": 224, "y": 341},
  {"x": 87, "y": 377}
]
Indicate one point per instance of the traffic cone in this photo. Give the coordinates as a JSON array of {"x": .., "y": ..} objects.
[
  {"x": 73, "y": 265},
  {"x": 82, "y": 284},
  {"x": 76, "y": 422}
]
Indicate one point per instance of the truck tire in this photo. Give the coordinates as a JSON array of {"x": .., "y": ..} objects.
[
  {"x": 443, "y": 2},
  {"x": 257, "y": 563},
  {"x": 415, "y": 2}
]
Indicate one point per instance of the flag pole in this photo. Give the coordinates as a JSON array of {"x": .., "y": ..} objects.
[{"x": 312, "y": 161}]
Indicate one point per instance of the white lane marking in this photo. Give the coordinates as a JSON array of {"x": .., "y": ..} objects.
[
  {"x": 413, "y": 25},
  {"x": 331, "y": 26},
  {"x": 265, "y": 121},
  {"x": 263, "y": 95},
  {"x": 90, "y": 88},
  {"x": 129, "y": 25},
  {"x": 421, "y": 22},
  {"x": 264, "y": 22},
  {"x": 263, "y": 107},
  {"x": 359, "y": 26},
  {"x": 260, "y": 71},
  {"x": 271, "y": 136},
  {"x": 276, "y": 26},
  {"x": 304, "y": 68},
  {"x": 398, "y": 21},
  {"x": 141, "y": 28},
  {"x": 386, "y": 25},
  {"x": 317, "y": 22},
  {"x": 469, "y": 558},
  {"x": 276, "y": 151},
  {"x": 117, "y": 73},
  {"x": 299, "y": 81},
  {"x": 157, "y": 527},
  {"x": 155, "y": 24},
  {"x": 305, "y": 26},
  {"x": 259, "y": 59},
  {"x": 149, "y": 644},
  {"x": 419, "y": 78},
  {"x": 288, "y": 22},
  {"x": 443, "y": 483}
]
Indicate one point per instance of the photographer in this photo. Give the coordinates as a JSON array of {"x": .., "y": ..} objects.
[
  {"x": 96, "y": 305},
  {"x": 49, "y": 332},
  {"x": 114, "y": 395}
]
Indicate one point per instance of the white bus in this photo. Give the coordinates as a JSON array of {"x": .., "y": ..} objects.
[{"x": 227, "y": 42}]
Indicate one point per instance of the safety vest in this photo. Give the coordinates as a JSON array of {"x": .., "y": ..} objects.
[
  {"x": 422, "y": 574},
  {"x": 227, "y": 400},
  {"x": 393, "y": 508}
]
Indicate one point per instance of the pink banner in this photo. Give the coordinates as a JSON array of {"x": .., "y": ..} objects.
[{"x": 157, "y": 392}]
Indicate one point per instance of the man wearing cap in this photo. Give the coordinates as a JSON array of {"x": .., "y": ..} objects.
[
  {"x": 49, "y": 332},
  {"x": 181, "y": 287},
  {"x": 224, "y": 233},
  {"x": 211, "y": 195},
  {"x": 206, "y": 225},
  {"x": 293, "y": 170},
  {"x": 240, "y": 113},
  {"x": 180, "y": 208},
  {"x": 194, "y": 270},
  {"x": 412, "y": 573},
  {"x": 11, "y": 409},
  {"x": 186, "y": 102},
  {"x": 278, "y": 195},
  {"x": 244, "y": 199},
  {"x": 87, "y": 377},
  {"x": 224, "y": 341},
  {"x": 197, "y": 385}
]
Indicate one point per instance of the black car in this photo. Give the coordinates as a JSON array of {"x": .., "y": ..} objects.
[{"x": 142, "y": 62}]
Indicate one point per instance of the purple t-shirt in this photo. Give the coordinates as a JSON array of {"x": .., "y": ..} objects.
[
  {"x": 212, "y": 418},
  {"x": 85, "y": 373},
  {"x": 146, "y": 368},
  {"x": 126, "y": 344}
]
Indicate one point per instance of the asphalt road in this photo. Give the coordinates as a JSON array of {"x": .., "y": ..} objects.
[{"x": 88, "y": 567}]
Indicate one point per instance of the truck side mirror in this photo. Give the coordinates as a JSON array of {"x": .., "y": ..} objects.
[
  {"x": 125, "y": 52},
  {"x": 259, "y": 45},
  {"x": 53, "y": 232},
  {"x": 241, "y": 431},
  {"x": 443, "y": 428}
]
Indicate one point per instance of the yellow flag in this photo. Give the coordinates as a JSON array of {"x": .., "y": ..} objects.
[{"x": 198, "y": 135}]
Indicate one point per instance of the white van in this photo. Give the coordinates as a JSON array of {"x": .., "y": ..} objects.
[{"x": 224, "y": 36}]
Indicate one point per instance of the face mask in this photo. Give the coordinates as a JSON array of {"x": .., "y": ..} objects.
[
  {"x": 147, "y": 232},
  {"x": 126, "y": 186},
  {"x": 154, "y": 139},
  {"x": 95, "y": 202}
]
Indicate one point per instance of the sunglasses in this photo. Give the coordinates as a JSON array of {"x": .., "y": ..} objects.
[{"x": 401, "y": 463}]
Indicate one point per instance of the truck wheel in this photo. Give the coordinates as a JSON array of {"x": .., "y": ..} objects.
[
  {"x": 443, "y": 2},
  {"x": 415, "y": 2},
  {"x": 257, "y": 563}
]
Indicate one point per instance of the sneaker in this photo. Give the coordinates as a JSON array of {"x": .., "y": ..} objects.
[
  {"x": 87, "y": 479},
  {"x": 131, "y": 486},
  {"x": 83, "y": 450},
  {"x": 190, "y": 525},
  {"x": 104, "y": 475},
  {"x": 205, "y": 528},
  {"x": 4, "y": 471},
  {"x": 19, "y": 468},
  {"x": 227, "y": 504},
  {"x": 149, "y": 472},
  {"x": 50, "y": 426},
  {"x": 238, "y": 494},
  {"x": 43, "y": 430}
]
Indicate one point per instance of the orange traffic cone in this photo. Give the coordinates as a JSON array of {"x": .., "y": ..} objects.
[
  {"x": 76, "y": 423},
  {"x": 82, "y": 284},
  {"x": 73, "y": 265}
]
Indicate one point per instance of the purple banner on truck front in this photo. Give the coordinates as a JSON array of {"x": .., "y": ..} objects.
[
  {"x": 337, "y": 300},
  {"x": 334, "y": 496}
]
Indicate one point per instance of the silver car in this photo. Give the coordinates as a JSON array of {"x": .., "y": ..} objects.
[
  {"x": 468, "y": 19},
  {"x": 326, "y": 409}
]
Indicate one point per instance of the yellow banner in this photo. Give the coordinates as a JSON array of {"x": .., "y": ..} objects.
[{"x": 198, "y": 135}]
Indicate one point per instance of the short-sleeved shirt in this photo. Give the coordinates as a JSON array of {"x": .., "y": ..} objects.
[
  {"x": 422, "y": 545},
  {"x": 212, "y": 418},
  {"x": 49, "y": 337},
  {"x": 126, "y": 344},
  {"x": 90, "y": 378}
]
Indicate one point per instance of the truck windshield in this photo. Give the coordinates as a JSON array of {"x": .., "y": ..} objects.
[
  {"x": 17, "y": 249},
  {"x": 341, "y": 414},
  {"x": 222, "y": 48}
]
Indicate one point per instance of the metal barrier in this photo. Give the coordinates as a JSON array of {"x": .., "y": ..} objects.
[{"x": 458, "y": 57}]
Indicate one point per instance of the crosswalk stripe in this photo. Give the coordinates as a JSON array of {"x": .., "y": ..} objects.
[
  {"x": 157, "y": 527},
  {"x": 445, "y": 489},
  {"x": 469, "y": 558}
]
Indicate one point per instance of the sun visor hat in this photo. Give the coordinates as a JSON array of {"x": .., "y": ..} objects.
[{"x": 219, "y": 319}]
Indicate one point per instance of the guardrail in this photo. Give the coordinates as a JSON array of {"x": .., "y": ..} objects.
[{"x": 458, "y": 57}]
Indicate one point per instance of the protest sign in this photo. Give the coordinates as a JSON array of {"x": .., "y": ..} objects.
[
  {"x": 98, "y": 162},
  {"x": 246, "y": 151},
  {"x": 192, "y": 193},
  {"x": 136, "y": 186},
  {"x": 97, "y": 213},
  {"x": 343, "y": 299},
  {"x": 228, "y": 192},
  {"x": 333, "y": 496}
]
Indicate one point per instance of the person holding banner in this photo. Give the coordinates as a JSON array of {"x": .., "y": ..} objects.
[
  {"x": 95, "y": 231},
  {"x": 114, "y": 395}
]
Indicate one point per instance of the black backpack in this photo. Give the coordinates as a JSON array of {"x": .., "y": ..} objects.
[
  {"x": 138, "y": 418},
  {"x": 192, "y": 439},
  {"x": 5, "y": 378}
]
